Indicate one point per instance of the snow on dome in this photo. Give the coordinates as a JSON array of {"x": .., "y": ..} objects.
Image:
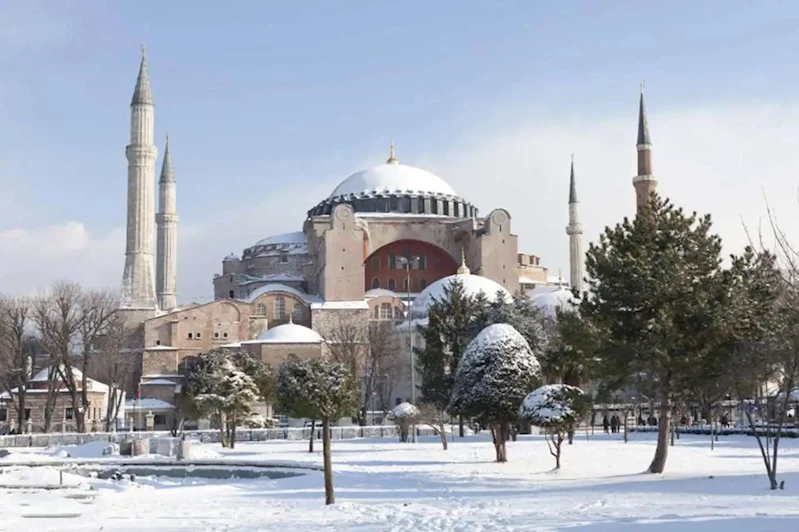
[
  {"x": 297, "y": 237},
  {"x": 562, "y": 299},
  {"x": 391, "y": 177},
  {"x": 377, "y": 292},
  {"x": 472, "y": 284},
  {"x": 288, "y": 333}
]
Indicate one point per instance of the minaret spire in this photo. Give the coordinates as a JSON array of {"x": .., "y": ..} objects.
[
  {"x": 575, "y": 232},
  {"x": 463, "y": 269},
  {"x": 138, "y": 279},
  {"x": 167, "y": 238},
  {"x": 645, "y": 182},
  {"x": 392, "y": 159}
]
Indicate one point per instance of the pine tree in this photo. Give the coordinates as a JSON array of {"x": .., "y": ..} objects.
[
  {"x": 496, "y": 373},
  {"x": 654, "y": 285}
]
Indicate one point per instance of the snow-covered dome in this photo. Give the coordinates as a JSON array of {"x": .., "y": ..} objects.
[
  {"x": 231, "y": 257},
  {"x": 289, "y": 333},
  {"x": 472, "y": 284},
  {"x": 377, "y": 292},
  {"x": 392, "y": 177},
  {"x": 561, "y": 298}
]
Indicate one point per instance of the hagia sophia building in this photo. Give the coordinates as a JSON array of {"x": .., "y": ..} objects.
[{"x": 385, "y": 237}]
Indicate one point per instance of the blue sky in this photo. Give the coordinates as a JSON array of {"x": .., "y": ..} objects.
[{"x": 270, "y": 104}]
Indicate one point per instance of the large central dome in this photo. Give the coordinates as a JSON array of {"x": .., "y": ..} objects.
[
  {"x": 394, "y": 189},
  {"x": 396, "y": 178}
]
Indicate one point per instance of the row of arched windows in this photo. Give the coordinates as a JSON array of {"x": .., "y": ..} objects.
[
  {"x": 387, "y": 311},
  {"x": 298, "y": 311},
  {"x": 392, "y": 284}
]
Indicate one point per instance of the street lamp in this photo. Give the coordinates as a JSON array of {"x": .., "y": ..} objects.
[{"x": 406, "y": 262}]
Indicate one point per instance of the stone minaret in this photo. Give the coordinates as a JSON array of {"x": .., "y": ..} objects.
[
  {"x": 167, "y": 239},
  {"x": 575, "y": 232},
  {"x": 645, "y": 182},
  {"x": 138, "y": 280}
]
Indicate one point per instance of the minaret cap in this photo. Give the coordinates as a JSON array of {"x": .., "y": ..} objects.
[
  {"x": 391, "y": 158},
  {"x": 463, "y": 269},
  {"x": 142, "y": 94},
  {"x": 167, "y": 171},
  {"x": 643, "y": 126},
  {"x": 572, "y": 185}
]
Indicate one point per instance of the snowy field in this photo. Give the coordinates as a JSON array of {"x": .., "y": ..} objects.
[{"x": 382, "y": 485}]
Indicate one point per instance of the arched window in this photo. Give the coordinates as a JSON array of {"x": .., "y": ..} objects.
[
  {"x": 260, "y": 309},
  {"x": 398, "y": 314},
  {"x": 385, "y": 311},
  {"x": 232, "y": 294},
  {"x": 407, "y": 285},
  {"x": 280, "y": 308},
  {"x": 375, "y": 283},
  {"x": 422, "y": 284},
  {"x": 376, "y": 313},
  {"x": 392, "y": 284}
]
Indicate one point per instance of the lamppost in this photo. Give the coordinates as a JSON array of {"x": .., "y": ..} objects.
[{"x": 407, "y": 261}]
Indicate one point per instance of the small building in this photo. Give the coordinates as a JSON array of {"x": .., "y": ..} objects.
[{"x": 63, "y": 417}]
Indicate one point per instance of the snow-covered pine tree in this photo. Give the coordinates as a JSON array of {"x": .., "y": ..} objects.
[
  {"x": 558, "y": 409},
  {"x": 326, "y": 389},
  {"x": 222, "y": 391},
  {"x": 497, "y": 371},
  {"x": 653, "y": 290}
]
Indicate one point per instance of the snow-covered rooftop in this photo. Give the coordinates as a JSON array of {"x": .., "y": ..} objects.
[
  {"x": 472, "y": 284},
  {"x": 288, "y": 333},
  {"x": 397, "y": 178},
  {"x": 159, "y": 382},
  {"x": 340, "y": 305},
  {"x": 148, "y": 403},
  {"x": 377, "y": 292},
  {"x": 297, "y": 237}
]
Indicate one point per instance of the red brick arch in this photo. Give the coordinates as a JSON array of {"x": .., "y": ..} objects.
[{"x": 436, "y": 264}]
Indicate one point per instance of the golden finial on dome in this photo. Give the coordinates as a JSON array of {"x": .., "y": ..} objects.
[
  {"x": 560, "y": 278},
  {"x": 463, "y": 269},
  {"x": 391, "y": 158}
]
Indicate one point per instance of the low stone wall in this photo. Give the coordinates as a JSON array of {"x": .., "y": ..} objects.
[{"x": 206, "y": 436}]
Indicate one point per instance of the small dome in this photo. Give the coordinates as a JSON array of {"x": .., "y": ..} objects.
[
  {"x": 296, "y": 238},
  {"x": 561, "y": 298},
  {"x": 289, "y": 333},
  {"x": 393, "y": 177},
  {"x": 230, "y": 258},
  {"x": 377, "y": 292},
  {"x": 472, "y": 284}
]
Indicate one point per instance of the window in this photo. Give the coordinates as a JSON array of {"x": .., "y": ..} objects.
[
  {"x": 224, "y": 335},
  {"x": 399, "y": 401},
  {"x": 385, "y": 311},
  {"x": 216, "y": 335},
  {"x": 392, "y": 261},
  {"x": 377, "y": 313},
  {"x": 198, "y": 335},
  {"x": 158, "y": 342},
  {"x": 231, "y": 294},
  {"x": 3, "y": 415},
  {"x": 392, "y": 284},
  {"x": 69, "y": 414},
  {"x": 260, "y": 310},
  {"x": 398, "y": 313},
  {"x": 284, "y": 257},
  {"x": 421, "y": 264},
  {"x": 407, "y": 285},
  {"x": 422, "y": 284},
  {"x": 280, "y": 307},
  {"x": 375, "y": 283},
  {"x": 298, "y": 313},
  {"x": 376, "y": 264},
  {"x": 159, "y": 419},
  {"x": 191, "y": 336},
  {"x": 27, "y": 414}
]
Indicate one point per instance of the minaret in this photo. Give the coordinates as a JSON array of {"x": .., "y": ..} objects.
[
  {"x": 138, "y": 279},
  {"x": 575, "y": 232},
  {"x": 167, "y": 235},
  {"x": 645, "y": 182}
]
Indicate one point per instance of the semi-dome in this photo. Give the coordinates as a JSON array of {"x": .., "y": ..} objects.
[
  {"x": 289, "y": 333},
  {"x": 550, "y": 302},
  {"x": 472, "y": 285},
  {"x": 396, "y": 178}
]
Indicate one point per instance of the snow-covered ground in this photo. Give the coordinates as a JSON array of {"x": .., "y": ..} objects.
[{"x": 382, "y": 485}]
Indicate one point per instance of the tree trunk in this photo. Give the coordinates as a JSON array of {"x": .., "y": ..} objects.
[
  {"x": 313, "y": 433},
  {"x": 21, "y": 412},
  {"x": 362, "y": 421},
  {"x": 330, "y": 497},
  {"x": 460, "y": 426},
  {"x": 443, "y": 435},
  {"x": 233, "y": 423},
  {"x": 558, "y": 443},
  {"x": 223, "y": 429},
  {"x": 626, "y": 438},
  {"x": 664, "y": 423},
  {"x": 570, "y": 435},
  {"x": 498, "y": 433}
]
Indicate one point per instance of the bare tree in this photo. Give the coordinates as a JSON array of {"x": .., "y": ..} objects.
[
  {"x": 385, "y": 363},
  {"x": 116, "y": 363},
  {"x": 436, "y": 418},
  {"x": 15, "y": 360},
  {"x": 347, "y": 341}
]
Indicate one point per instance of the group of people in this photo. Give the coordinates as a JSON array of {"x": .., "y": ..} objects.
[{"x": 612, "y": 424}]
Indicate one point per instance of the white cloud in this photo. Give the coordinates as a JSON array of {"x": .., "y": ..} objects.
[{"x": 718, "y": 160}]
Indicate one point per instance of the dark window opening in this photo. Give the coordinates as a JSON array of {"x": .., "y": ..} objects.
[
  {"x": 375, "y": 283},
  {"x": 27, "y": 414},
  {"x": 159, "y": 419},
  {"x": 216, "y": 335},
  {"x": 392, "y": 284},
  {"x": 224, "y": 335},
  {"x": 231, "y": 294},
  {"x": 376, "y": 264},
  {"x": 69, "y": 414},
  {"x": 191, "y": 336},
  {"x": 3, "y": 415},
  {"x": 422, "y": 284}
]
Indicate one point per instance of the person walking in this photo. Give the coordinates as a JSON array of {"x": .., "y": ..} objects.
[{"x": 605, "y": 423}]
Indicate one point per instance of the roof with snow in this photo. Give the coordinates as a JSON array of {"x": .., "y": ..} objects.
[
  {"x": 148, "y": 403},
  {"x": 472, "y": 284},
  {"x": 288, "y": 333},
  {"x": 377, "y": 292},
  {"x": 43, "y": 376},
  {"x": 277, "y": 287},
  {"x": 549, "y": 302}
]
